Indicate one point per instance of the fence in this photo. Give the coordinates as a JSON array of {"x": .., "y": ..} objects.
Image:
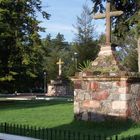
[{"x": 55, "y": 134}]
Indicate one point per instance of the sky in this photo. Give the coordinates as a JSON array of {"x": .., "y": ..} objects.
[{"x": 63, "y": 17}]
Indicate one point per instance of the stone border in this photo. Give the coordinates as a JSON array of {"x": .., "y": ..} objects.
[{"x": 107, "y": 78}]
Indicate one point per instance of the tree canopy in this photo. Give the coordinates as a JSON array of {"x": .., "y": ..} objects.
[
  {"x": 129, "y": 19},
  {"x": 19, "y": 40},
  {"x": 125, "y": 27},
  {"x": 85, "y": 45},
  {"x": 53, "y": 49}
]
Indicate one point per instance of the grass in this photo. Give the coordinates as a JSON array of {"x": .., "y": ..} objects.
[
  {"x": 59, "y": 114},
  {"x": 39, "y": 113}
]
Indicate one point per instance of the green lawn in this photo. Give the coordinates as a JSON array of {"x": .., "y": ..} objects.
[{"x": 59, "y": 114}]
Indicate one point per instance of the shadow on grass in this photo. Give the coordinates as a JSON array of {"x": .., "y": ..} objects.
[
  {"x": 6, "y": 105},
  {"x": 77, "y": 130},
  {"x": 110, "y": 128}
]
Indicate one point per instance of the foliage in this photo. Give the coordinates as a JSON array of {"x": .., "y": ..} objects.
[
  {"x": 131, "y": 60},
  {"x": 86, "y": 66},
  {"x": 126, "y": 49},
  {"x": 125, "y": 27},
  {"x": 84, "y": 27},
  {"x": 105, "y": 70},
  {"x": 53, "y": 49},
  {"x": 84, "y": 45},
  {"x": 128, "y": 20},
  {"x": 19, "y": 42}
]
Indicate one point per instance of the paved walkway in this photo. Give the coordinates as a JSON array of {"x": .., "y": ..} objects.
[{"x": 14, "y": 137}]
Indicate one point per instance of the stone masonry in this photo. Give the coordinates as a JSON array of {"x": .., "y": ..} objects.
[
  {"x": 110, "y": 92},
  {"x": 59, "y": 88},
  {"x": 101, "y": 98}
]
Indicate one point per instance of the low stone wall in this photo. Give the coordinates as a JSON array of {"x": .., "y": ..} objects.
[
  {"x": 101, "y": 98},
  {"x": 58, "y": 88}
]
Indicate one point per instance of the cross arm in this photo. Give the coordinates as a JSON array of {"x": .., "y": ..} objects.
[
  {"x": 59, "y": 63},
  {"x": 101, "y": 16}
]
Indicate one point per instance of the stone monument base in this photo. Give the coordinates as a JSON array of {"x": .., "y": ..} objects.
[
  {"x": 59, "y": 88},
  {"x": 107, "y": 61},
  {"x": 102, "y": 98},
  {"x": 109, "y": 92}
]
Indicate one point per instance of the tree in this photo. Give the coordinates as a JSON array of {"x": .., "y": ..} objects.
[
  {"x": 128, "y": 50},
  {"x": 19, "y": 41},
  {"x": 84, "y": 44},
  {"x": 125, "y": 23},
  {"x": 53, "y": 50}
]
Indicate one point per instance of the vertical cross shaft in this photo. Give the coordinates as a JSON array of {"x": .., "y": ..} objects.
[
  {"x": 108, "y": 14},
  {"x": 60, "y": 66},
  {"x": 108, "y": 24},
  {"x": 60, "y": 70}
]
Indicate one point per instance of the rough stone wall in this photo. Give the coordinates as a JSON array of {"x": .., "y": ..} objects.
[
  {"x": 134, "y": 103},
  {"x": 56, "y": 90},
  {"x": 59, "y": 90},
  {"x": 99, "y": 99}
]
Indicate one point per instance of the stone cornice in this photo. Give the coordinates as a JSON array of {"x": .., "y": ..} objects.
[{"x": 109, "y": 78}]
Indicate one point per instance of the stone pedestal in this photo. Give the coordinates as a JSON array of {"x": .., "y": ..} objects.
[
  {"x": 107, "y": 61},
  {"x": 110, "y": 92},
  {"x": 59, "y": 88},
  {"x": 102, "y": 98},
  {"x": 106, "y": 51}
]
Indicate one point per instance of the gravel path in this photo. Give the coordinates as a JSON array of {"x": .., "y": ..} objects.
[{"x": 14, "y": 137}]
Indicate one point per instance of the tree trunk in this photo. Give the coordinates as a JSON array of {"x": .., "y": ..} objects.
[{"x": 139, "y": 54}]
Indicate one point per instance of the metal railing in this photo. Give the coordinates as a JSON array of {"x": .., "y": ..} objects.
[{"x": 55, "y": 134}]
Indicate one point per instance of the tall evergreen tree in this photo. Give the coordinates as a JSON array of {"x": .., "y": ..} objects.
[
  {"x": 19, "y": 41},
  {"x": 84, "y": 45},
  {"x": 53, "y": 50}
]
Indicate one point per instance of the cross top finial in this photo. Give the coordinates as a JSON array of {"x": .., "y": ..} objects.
[{"x": 108, "y": 16}]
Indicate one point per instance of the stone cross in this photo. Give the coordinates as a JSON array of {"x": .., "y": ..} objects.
[
  {"x": 108, "y": 16},
  {"x": 60, "y": 66}
]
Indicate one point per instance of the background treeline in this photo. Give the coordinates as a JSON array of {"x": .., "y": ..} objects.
[{"x": 25, "y": 56}]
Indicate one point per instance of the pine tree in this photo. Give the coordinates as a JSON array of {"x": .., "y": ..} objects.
[
  {"x": 19, "y": 41},
  {"x": 84, "y": 44},
  {"x": 53, "y": 50}
]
